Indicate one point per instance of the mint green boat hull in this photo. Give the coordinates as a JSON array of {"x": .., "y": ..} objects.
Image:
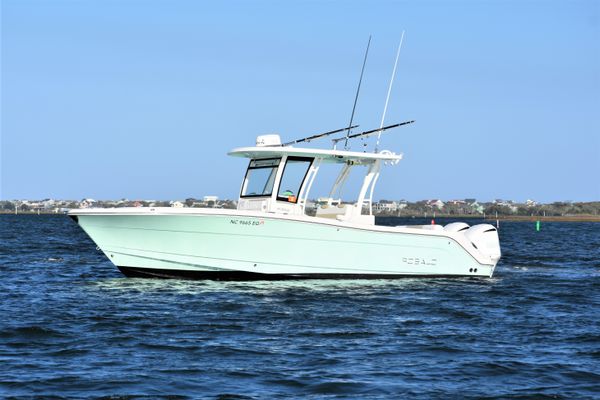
[{"x": 246, "y": 247}]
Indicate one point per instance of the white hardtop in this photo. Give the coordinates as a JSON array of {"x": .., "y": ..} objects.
[{"x": 326, "y": 155}]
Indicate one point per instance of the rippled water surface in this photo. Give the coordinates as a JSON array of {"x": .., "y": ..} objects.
[{"x": 71, "y": 325}]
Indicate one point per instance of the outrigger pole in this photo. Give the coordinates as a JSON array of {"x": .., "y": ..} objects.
[
  {"x": 350, "y": 126},
  {"x": 387, "y": 99},
  {"x": 357, "y": 92},
  {"x": 320, "y": 135}
]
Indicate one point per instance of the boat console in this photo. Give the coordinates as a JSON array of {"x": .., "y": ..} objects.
[{"x": 279, "y": 178}]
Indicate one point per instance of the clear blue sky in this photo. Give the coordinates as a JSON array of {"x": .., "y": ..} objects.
[{"x": 142, "y": 99}]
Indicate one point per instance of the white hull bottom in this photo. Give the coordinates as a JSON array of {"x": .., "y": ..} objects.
[{"x": 239, "y": 246}]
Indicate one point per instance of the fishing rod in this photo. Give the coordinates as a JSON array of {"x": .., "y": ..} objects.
[
  {"x": 320, "y": 135},
  {"x": 371, "y": 132}
]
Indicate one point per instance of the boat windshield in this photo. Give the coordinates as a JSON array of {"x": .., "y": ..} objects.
[
  {"x": 260, "y": 177},
  {"x": 294, "y": 173}
]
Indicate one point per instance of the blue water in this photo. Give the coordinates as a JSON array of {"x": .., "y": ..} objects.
[{"x": 72, "y": 326}]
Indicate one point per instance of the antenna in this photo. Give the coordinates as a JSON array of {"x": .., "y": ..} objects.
[
  {"x": 320, "y": 135},
  {"x": 387, "y": 99},
  {"x": 357, "y": 92}
]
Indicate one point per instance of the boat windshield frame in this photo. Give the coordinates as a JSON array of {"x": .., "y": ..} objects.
[
  {"x": 275, "y": 169},
  {"x": 296, "y": 196}
]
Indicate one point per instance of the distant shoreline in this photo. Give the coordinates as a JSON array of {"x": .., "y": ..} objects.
[
  {"x": 559, "y": 218},
  {"x": 516, "y": 218}
]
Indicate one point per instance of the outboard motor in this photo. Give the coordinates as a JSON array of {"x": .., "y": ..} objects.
[
  {"x": 485, "y": 238},
  {"x": 456, "y": 227}
]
